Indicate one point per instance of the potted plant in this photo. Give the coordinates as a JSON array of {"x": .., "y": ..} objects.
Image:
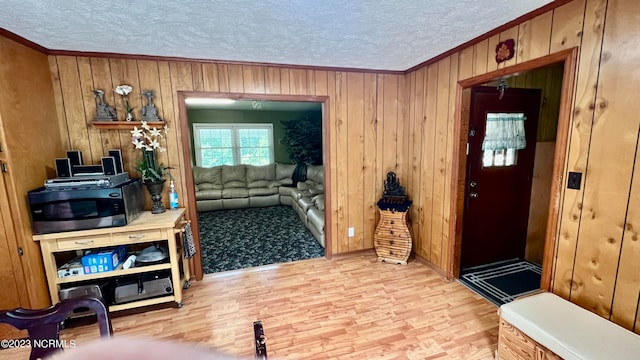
[
  {"x": 149, "y": 141},
  {"x": 303, "y": 139}
]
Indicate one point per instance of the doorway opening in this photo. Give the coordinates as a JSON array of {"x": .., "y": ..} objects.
[
  {"x": 506, "y": 210},
  {"x": 241, "y": 181}
]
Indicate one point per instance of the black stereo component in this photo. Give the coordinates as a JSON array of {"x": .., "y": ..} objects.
[
  {"x": 117, "y": 158},
  {"x": 75, "y": 156},
  {"x": 63, "y": 167},
  {"x": 108, "y": 165},
  {"x": 142, "y": 286},
  {"x": 86, "y": 170}
]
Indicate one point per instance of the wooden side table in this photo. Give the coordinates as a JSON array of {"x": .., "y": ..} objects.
[
  {"x": 145, "y": 230},
  {"x": 392, "y": 238}
]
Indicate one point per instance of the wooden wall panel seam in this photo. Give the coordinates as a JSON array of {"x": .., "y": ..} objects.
[
  {"x": 564, "y": 211},
  {"x": 627, "y": 225},
  {"x": 551, "y": 31},
  {"x": 62, "y": 119},
  {"x": 586, "y": 171}
]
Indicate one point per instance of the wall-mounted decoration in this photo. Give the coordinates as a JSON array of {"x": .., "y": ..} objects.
[
  {"x": 149, "y": 111},
  {"x": 124, "y": 90},
  {"x": 505, "y": 50},
  {"x": 104, "y": 112}
]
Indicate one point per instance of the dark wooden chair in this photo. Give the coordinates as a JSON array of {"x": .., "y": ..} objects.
[
  {"x": 43, "y": 325},
  {"x": 260, "y": 341}
]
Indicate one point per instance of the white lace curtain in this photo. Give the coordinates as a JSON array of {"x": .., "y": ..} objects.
[{"x": 504, "y": 131}]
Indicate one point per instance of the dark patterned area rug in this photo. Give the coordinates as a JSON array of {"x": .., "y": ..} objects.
[{"x": 242, "y": 238}]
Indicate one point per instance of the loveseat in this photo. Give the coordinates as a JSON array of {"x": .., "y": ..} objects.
[{"x": 242, "y": 186}]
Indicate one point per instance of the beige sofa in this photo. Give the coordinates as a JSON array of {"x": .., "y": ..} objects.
[
  {"x": 241, "y": 186},
  {"x": 309, "y": 203}
]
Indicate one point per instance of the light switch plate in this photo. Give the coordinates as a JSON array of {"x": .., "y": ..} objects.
[
  {"x": 575, "y": 180},
  {"x": 352, "y": 232}
]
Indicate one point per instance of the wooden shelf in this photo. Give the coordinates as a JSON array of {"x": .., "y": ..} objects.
[
  {"x": 124, "y": 125},
  {"x": 146, "y": 229},
  {"x": 117, "y": 272},
  {"x": 140, "y": 303}
]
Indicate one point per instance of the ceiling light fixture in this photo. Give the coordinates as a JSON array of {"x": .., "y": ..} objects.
[
  {"x": 256, "y": 104},
  {"x": 208, "y": 101}
]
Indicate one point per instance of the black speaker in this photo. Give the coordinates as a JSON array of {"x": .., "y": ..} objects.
[
  {"x": 108, "y": 165},
  {"x": 117, "y": 159},
  {"x": 63, "y": 167},
  {"x": 86, "y": 170},
  {"x": 75, "y": 156}
]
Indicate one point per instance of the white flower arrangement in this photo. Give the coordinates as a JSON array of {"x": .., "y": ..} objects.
[{"x": 149, "y": 140}]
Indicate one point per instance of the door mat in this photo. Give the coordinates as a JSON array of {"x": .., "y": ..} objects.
[{"x": 503, "y": 281}]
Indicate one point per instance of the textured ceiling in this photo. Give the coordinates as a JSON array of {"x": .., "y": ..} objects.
[{"x": 368, "y": 34}]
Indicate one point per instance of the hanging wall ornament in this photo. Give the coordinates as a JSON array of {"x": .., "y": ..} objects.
[{"x": 505, "y": 50}]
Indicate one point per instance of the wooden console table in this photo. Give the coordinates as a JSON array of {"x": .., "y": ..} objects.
[
  {"x": 392, "y": 238},
  {"x": 147, "y": 229}
]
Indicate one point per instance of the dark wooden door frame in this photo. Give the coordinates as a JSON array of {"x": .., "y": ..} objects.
[
  {"x": 570, "y": 59},
  {"x": 188, "y": 169}
]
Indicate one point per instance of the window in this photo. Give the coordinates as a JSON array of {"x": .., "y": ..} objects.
[
  {"x": 233, "y": 144},
  {"x": 504, "y": 136}
]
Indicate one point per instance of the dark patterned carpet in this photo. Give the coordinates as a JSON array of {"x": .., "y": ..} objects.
[{"x": 242, "y": 238}]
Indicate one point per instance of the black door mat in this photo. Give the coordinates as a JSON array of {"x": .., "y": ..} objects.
[{"x": 503, "y": 281}]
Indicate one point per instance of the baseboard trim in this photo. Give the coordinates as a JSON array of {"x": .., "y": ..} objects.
[
  {"x": 353, "y": 253},
  {"x": 433, "y": 267}
]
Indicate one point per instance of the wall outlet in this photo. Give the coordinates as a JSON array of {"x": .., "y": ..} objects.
[{"x": 352, "y": 232}]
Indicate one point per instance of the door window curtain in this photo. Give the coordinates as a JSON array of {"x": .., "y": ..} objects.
[{"x": 504, "y": 131}]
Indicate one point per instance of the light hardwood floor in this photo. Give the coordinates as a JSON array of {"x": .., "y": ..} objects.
[{"x": 348, "y": 308}]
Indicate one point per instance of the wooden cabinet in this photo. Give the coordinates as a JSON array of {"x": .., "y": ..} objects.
[
  {"x": 146, "y": 230},
  {"x": 513, "y": 344},
  {"x": 392, "y": 238}
]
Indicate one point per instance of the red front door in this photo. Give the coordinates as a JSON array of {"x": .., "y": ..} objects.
[{"x": 498, "y": 187}]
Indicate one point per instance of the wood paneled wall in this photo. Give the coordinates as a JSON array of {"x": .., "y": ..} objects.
[
  {"x": 365, "y": 112},
  {"x": 29, "y": 141},
  {"x": 597, "y": 251},
  {"x": 405, "y": 123}
]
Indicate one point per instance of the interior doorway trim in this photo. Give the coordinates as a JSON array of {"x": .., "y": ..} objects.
[
  {"x": 458, "y": 179},
  {"x": 188, "y": 168}
]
